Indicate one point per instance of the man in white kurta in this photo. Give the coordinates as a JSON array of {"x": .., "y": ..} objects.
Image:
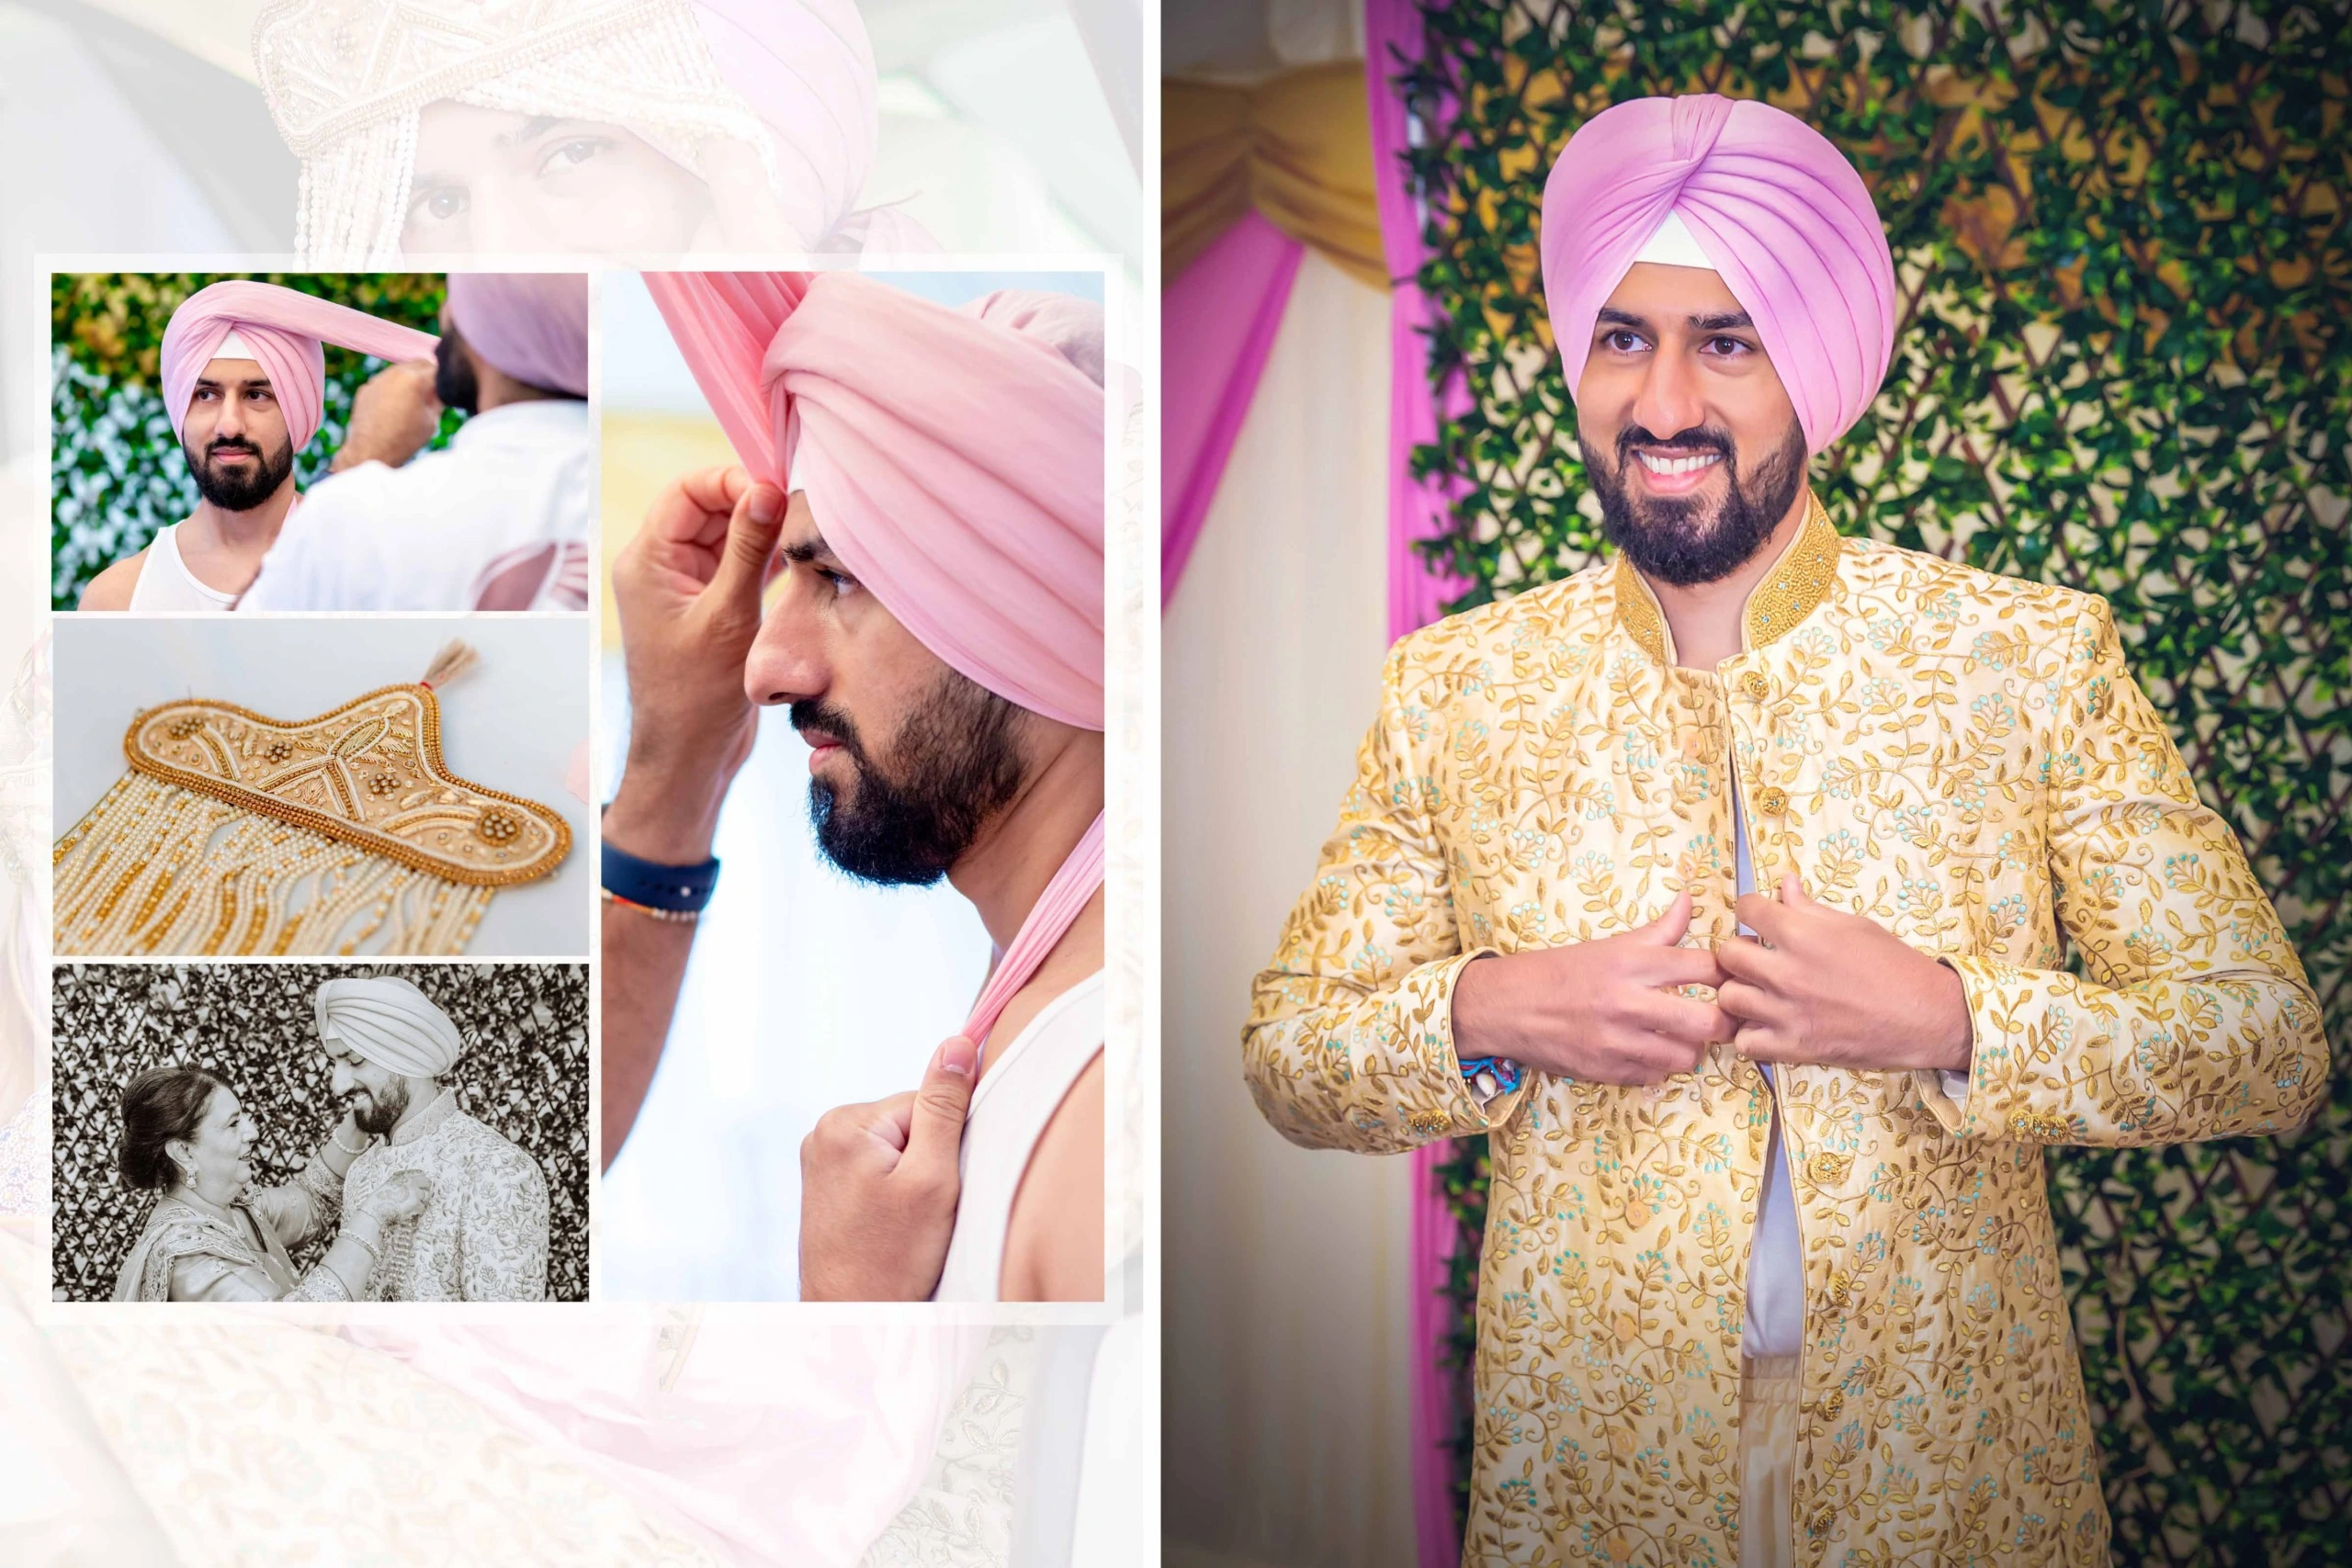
[
  {"x": 484, "y": 1233},
  {"x": 500, "y": 518}
]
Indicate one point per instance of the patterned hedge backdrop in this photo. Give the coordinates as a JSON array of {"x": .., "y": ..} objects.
[
  {"x": 116, "y": 471},
  {"x": 2120, "y": 229},
  {"x": 525, "y": 1075}
]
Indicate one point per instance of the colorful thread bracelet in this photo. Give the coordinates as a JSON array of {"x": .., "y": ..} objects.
[{"x": 678, "y": 917}]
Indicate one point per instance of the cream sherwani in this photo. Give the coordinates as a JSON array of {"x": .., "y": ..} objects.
[
  {"x": 1964, "y": 760},
  {"x": 484, "y": 1235}
]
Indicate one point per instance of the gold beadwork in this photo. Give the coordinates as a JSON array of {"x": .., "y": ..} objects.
[
  {"x": 399, "y": 729},
  {"x": 498, "y": 826},
  {"x": 381, "y": 785},
  {"x": 186, "y": 727}
]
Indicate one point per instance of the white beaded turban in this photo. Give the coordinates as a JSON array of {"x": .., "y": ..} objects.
[
  {"x": 793, "y": 79},
  {"x": 388, "y": 1021}
]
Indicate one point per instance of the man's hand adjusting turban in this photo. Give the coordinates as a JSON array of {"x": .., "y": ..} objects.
[
  {"x": 1777, "y": 210},
  {"x": 390, "y": 1023},
  {"x": 283, "y": 329},
  {"x": 953, "y": 457}
]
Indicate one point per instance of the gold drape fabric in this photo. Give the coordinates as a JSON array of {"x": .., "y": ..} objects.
[{"x": 1297, "y": 147}]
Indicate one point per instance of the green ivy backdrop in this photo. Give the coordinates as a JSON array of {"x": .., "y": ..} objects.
[
  {"x": 116, "y": 470},
  {"x": 2121, "y": 237}
]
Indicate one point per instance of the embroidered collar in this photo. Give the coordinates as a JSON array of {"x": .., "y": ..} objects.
[
  {"x": 1795, "y": 586},
  {"x": 430, "y": 1120}
]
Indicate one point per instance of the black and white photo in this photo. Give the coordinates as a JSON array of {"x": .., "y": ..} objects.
[{"x": 376, "y": 1133}]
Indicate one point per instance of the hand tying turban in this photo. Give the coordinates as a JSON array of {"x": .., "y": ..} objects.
[
  {"x": 954, "y": 458},
  {"x": 1756, "y": 193},
  {"x": 390, "y": 1023},
  {"x": 282, "y": 331},
  {"x": 531, "y": 325}
]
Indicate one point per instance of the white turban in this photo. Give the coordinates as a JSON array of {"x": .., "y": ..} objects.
[{"x": 390, "y": 1023}]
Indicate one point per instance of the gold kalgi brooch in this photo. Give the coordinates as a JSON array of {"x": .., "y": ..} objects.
[{"x": 237, "y": 834}]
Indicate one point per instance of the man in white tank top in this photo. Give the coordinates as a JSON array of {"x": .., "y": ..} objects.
[
  {"x": 236, "y": 444},
  {"x": 933, "y": 754},
  {"x": 244, "y": 373}
]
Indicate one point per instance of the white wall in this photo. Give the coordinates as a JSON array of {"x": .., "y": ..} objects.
[{"x": 1287, "y": 1313}]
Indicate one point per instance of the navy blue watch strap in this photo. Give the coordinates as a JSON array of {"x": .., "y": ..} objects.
[{"x": 658, "y": 886}]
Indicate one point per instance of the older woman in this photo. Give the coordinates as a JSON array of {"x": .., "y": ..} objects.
[{"x": 213, "y": 1236}]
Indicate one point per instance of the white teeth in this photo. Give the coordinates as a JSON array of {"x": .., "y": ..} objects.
[{"x": 1675, "y": 465}]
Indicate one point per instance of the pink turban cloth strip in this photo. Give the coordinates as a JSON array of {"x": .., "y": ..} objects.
[
  {"x": 954, "y": 460},
  {"x": 531, "y": 325},
  {"x": 285, "y": 330},
  {"x": 1776, "y": 207}
]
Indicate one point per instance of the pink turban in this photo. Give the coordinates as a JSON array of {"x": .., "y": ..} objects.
[
  {"x": 1772, "y": 206},
  {"x": 284, "y": 330},
  {"x": 953, "y": 457},
  {"x": 531, "y": 325}
]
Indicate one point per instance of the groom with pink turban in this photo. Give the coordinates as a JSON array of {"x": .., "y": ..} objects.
[
  {"x": 1725, "y": 886},
  {"x": 921, "y": 500},
  {"x": 244, "y": 373}
]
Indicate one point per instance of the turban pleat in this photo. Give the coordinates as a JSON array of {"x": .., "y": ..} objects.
[
  {"x": 1780, "y": 212},
  {"x": 285, "y": 330},
  {"x": 390, "y": 1023},
  {"x": 953, "y": 457},
  {"x": 531, "y": 325}
]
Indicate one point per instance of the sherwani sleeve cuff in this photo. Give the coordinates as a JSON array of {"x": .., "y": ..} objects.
[
  {"x": 1958, "y": 1101},
  {"x": 1476, "y": 1108}
]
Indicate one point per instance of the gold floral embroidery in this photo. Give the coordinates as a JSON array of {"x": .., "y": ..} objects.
[{"x": 1963, "y": 758}]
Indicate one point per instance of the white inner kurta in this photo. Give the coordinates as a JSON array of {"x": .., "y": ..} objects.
[
  {"x": 1775, "y": 1325},
  {"x": 422, "y": 536}
]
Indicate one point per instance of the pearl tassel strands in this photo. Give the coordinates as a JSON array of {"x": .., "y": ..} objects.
[{"x": 234, "y": 834}]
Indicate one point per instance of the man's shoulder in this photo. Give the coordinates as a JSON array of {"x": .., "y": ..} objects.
[
  {"x": 1571, "y": 611},
  {"x": 1921, "y": 582},
  {"x": 112, "y": 587},
  {"x": 491, "y": 1152}
]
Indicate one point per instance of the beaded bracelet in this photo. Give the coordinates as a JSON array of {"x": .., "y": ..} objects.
[{"x": 676, "y": 917}]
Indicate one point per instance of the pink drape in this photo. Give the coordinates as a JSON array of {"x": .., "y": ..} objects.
[
  {"x": 1417, "y": 595},
  {"x": 1217, "y": 324}
]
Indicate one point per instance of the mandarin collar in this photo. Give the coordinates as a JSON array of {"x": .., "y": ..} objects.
[
  {"x": 1799, "y": 579},
  {"x": 424, "y": 1122}
]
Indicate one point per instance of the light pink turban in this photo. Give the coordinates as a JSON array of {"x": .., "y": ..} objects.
[
  {"x": 806, "y": 68},
  {"x": 531, "y": 325},
  {"x": 1776, "y": 210},
  {"x": 285, "y": 330},
  {"x": 953, "y": 457}
]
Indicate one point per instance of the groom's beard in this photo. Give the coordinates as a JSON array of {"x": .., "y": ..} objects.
[
  {"x": 955, "y": 763},
  {"x": 378, "y": 1111},
  {"x": 1687, "y": 540},
  {"x": 233, "y": 490}
]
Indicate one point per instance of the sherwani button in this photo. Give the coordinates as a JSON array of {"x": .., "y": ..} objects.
[
  {"x": 1832, "y": 1402},
  {"x": 1756, "y": 685},
  {"x": 1772, "y": 802},
  {"x": 1829, "y": 1166}
]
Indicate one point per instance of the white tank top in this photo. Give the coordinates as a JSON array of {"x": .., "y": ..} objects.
[
  {"x": 165, "y": 583},
  {"x": 1016, "y": 1097}
]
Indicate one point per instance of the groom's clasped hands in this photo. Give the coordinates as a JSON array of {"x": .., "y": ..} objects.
[{"x": 1814, "y": 984}]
